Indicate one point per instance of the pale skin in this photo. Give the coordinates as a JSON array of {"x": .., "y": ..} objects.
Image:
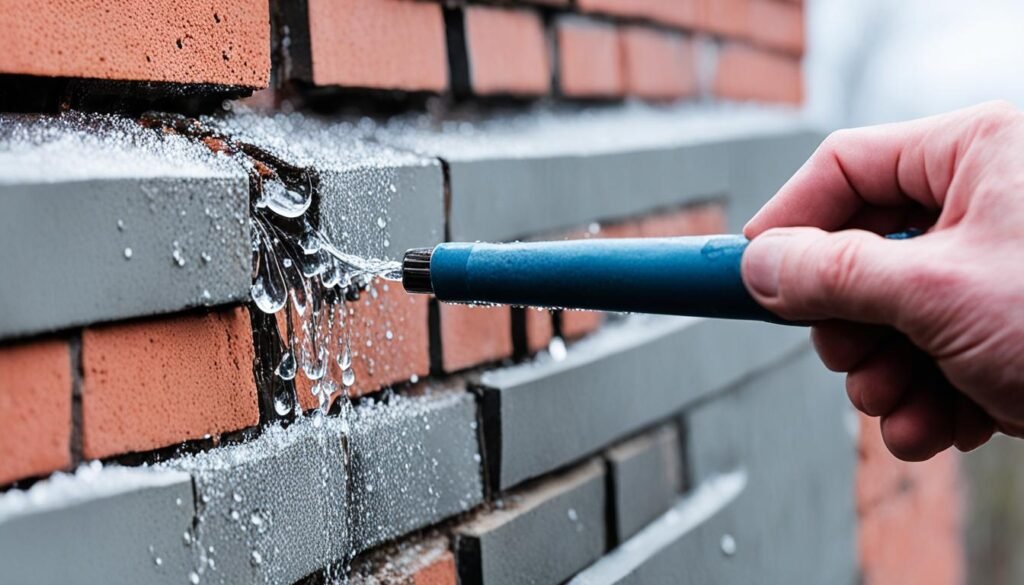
[{"x": 929, "y": 331}]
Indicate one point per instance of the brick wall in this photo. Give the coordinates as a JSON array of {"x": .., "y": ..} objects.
[{"x": 202, "y": 381}]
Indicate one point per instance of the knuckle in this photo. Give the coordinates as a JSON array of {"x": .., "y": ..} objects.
[
  {"x": 993, "y": 117},
  {"x": 836, "y": 268}
]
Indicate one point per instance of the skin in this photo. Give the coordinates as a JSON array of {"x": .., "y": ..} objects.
[{"x": 930, "y": 331}]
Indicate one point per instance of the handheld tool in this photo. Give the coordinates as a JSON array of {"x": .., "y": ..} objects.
[{"x": 693, "y": 276}]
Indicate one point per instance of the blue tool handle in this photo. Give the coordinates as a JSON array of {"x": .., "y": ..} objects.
[{"x": 694, "y": 276}]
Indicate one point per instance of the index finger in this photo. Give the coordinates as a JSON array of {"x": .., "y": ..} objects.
[{"x": 888, "y": 166}]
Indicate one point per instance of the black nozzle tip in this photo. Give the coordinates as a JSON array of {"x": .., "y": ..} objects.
[{"x": 416, "y": 271}]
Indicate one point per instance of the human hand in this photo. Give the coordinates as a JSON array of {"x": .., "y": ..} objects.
[{"x": 930, "y": 330}]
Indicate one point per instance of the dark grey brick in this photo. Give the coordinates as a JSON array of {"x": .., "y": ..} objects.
[
  {"x": 271, "y": 510},
  {"x": 414, "y": 462},
  {"x": 543, "y": 534},
  {"x": 646, "y": 478},
  {"x": 789, "y": 428},
  {"x": 689, "y": 544},
  {"x": 77, "y": 192},
  {"x": 564, "y": 169},
  {"x": 760, "y": 165},
  {"x": 110, "y": 525},
  {"x": 361, "y": 183},
  {"x": 540, "y": 416}
]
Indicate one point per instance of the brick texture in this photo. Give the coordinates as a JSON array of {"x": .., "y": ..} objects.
[
  {"x": 539, "y": 329},
  {"x": 385, "y": 44},
  {"x": 154, "y": 383},
  {"x": 658, "y": 65},
  {"x": 777, "y": 25},
  {"x": 683, "y": 13},
  {"x": 725, "y": 17},
  {"x": 472, "y": 336},
  {"x": 376, "y": 360},
  {"x": 911, "y": 515},
  {"x": 589, "y": 60},
  {"x": 35, "y": 409},
  {"x": 508, "y": 52},
  {"x": 191, "y": 41},
  {"x": 745, "y": 73}
]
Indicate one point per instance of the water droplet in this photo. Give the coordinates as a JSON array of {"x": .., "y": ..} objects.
[
  {"x": 193, "y": 578},
  {"x": 348, "y": 377},
  {"x": 594, "y": 228},
  {"x": 284, "y": 201},
  {"x": 556, "y": 347},
  {"x": 127, "y": 253},
  {"x": 206, "y": 258},
  {"x": 286, "y": 369},
  {"x": 573, "y": 515},
  {"x": 283, "y": 401},
  {"x": 369, "y": 487},
  {"x": 120, "y": 225},
  {"x": 256, "y": 519},
  {"x": 256, "y": 558},
  {"x": 237, "y": 497},
  {"x": 187, "y": 538},
  {"x": 413, "y": 379},
  {"x": 158, "y": 561},
  {"x": 728, "y": 545},
  {"x": 176, "y": 255},
  {"x": 382, "y": 223},
  {"x": 345, "y": 358},
  {"x": 389, "y": 335}
]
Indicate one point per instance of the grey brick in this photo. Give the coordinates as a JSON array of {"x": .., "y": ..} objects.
[
  {"x": 68, "y": 183},
  {"x": 685, "y": 545},
  {"x": 540, "y": 416},
  {"x": 646, "y": 478},
  {"x": 760, "y": 165},
  {"x": 414, "y": 462},
  {"x": 565, "y": 169},
  {"x": 112, "y": 526},
  {"x": 543, "y": 534},
  {"x": 271, "y": 510},
  {"x": 788, "y": 428},
  {"x": 361, "y": 182}
]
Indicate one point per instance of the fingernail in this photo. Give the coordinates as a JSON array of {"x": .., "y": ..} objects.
[{"x": 762, "y": 263}]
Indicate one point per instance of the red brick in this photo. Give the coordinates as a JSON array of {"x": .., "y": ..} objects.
[
  {"x": 777, "y": 25},
  {"x": 385, "y": 44},
  {"x": 189, "y": 41},
  {"x": 701, "y": 220},
  {"x": 539, "y": 330},
  {"x": 472, "y": 336},
  {"x": 746, "y": 73},
  {"x": 658, "y": 65},
  {"x": 439, "y": 572},
  {"x": 384, "y": 308},
  {"x": 508, "y": 52},
  {"x": 150, "y": 384},
  {"x": 411, "y": 562},
  {"x": 726, "y": 17},
  {"x": 910, "y": 515},
  {"x": 35, "y": 409},
  {"x": 684, "y": 13},
  {"x": 589, "y": 60}
]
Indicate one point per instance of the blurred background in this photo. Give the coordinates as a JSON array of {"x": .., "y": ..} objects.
[{"x": 876, "y": 61}]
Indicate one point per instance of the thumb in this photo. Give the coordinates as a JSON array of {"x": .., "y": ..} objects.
[{"x": 808, "y": 274}]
